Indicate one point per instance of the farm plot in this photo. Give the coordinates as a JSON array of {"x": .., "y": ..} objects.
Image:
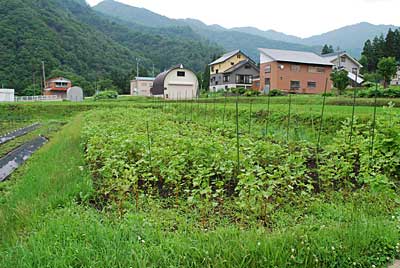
[{"x": 142, "y": 154}]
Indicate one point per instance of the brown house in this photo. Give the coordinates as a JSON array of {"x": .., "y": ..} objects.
[
  {"x": 57, "y": 86},
  {"x": 294, "y": 71}
]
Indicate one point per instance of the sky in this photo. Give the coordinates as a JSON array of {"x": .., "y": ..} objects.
[{"x": 302, "y": 18}]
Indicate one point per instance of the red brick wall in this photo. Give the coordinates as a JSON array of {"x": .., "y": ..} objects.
[{"x": 280, "y": 78}]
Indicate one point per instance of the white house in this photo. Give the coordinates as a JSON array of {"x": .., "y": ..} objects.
[
  {"x": 342, "y": 60},
  {"x": 7, "y": 95},
  {"x": 396, "y": 79},
  {"x": 141, "y": 86},
  {"x": 177, "y": 83}
]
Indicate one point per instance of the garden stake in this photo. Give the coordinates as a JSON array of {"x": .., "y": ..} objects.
[
  {"x": 268, "y": 107},
  {"x": 237, "y": 134},
  {"x": 149, "y": 141},
  {"x": 251, "y": 108},
  {"x": 322, "y": 120},
  {"x": 185, "y": 103},
  {"x": 289, "y": 113},
  {"x": 223, "y": 115},
  {"x": 353, "y": 112},
  {"x": 374, "y": 121}
]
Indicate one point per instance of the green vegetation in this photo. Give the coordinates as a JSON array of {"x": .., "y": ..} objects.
[
  {"x": 327, "y": 49},
  {"x": 387, "y": 68},
  {"x": 340, "y": 80},
  {"x": 69, "y": 36},
  {"x": 159, "y": 186},
  {"x": 106, "y": 95}
]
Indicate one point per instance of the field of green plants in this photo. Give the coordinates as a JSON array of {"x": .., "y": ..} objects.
[{"x": 216, "y": 182}]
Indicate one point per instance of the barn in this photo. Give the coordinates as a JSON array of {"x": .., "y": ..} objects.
[
  {"x": 75, "y": 94},
  {"x": 177, "y": 83}
]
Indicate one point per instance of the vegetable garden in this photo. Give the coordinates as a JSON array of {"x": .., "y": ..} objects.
[{"x": 242, "y": 161}]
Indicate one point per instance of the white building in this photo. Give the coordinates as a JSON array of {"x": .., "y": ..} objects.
[
  {"x": 7, "y": 95},
  {"x": 75, "y": 94},
  {"x": 178, "y": 83},
  {"x": 141, "y": 86},
  {"x": 396, "y": 79},
  {"x": 342, "y": 60}
]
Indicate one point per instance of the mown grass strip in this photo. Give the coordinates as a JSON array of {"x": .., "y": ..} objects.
[{"x": 51, "y": 179}]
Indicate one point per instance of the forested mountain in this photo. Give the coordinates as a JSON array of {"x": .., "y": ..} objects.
[
  {"x": 229, "y": 39},
  {"x": 68, "y": 35},
  {"x": 350, "y": 38}
]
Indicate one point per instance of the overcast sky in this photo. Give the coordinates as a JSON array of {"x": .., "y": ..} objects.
[{"x": 297, "y": 17}]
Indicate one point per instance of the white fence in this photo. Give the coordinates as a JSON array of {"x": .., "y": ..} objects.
[{"x": 38, "y": 98}]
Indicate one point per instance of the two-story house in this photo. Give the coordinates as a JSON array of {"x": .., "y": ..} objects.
[
  {"x": 57, "y": 86},
  {"x": 294, "y": 71},
  {"x": 342, "y": 60},
  {"x": 232, "y": 70},
  {"x": 396, "y": 78}
]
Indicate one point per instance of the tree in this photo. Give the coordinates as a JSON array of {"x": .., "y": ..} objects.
[
  {"x": 327, "y": 49},
  {"x": 387, "y": 67},
  {"x": 206, "y": 78},
  {"x": 340, "y": 80}
]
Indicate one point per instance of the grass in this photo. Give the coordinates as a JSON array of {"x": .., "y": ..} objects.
[{"x": 47, "y": 220}]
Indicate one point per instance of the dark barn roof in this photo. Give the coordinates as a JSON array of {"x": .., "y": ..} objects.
[{"x": 158, "y": 84}]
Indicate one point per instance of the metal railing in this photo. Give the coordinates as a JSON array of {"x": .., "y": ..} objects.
[{"x": 38, "y": 98}]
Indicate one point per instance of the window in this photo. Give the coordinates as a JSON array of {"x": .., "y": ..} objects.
[
  {"x": 226, "y": 78},
  {"x": 232, "y": 63},
  {"x": 343, "y": 59},
  {"x": 181, "y": 74},
  {"x": 294, "y": 85},
  {"x": 216, "y": 71},
  {"x": 244, "y": 79},
  {"x": 354, "y": 70},
  {"x": 316, "y": 69},
  {"x": 267, "y": 81},
  {"x": 61, "y": 84},
  {"x": 212, "y": 68},
  {"x": 312, "y": 84},
  {"x": 239, "y": 56},
  {"x": 295, "y": 68},
  {"x": 144, "y": 84},
  {"x": 268, "y": 69},
  {"x": 247, "y": 66}
]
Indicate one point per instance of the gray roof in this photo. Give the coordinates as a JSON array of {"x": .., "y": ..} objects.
[
  {"x": 295, "y": 56},
  {"x": 333, "y": 56},
  {"x": 241, "y": 64},
  {"x": 225, "y": 57}
]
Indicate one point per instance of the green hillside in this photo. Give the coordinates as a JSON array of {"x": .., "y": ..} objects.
[{"x": 69, "y": 35}]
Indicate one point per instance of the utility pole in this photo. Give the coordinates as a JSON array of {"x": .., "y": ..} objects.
[
  {"x": 44, "y": 76},
  {"x": 153, "y": 70},
  {"x": 137, "y": 67}
]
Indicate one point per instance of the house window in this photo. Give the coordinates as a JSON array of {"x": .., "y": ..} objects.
[
  {"x": 311, "y": 84},
  {"x": 216, "y": 71},
  {"x": 354, "y": 70},
  {"x": 212, "y": 68},
  {"x": 267, "y": 81},
  {"x": 247, "y": 66},
  {"x": 316, "y": 69},
  {"x": 343, "y": 59},
  {"x": 244, "y": 79},
  {"x": 294, "y": 85},
  {"x": 239, "y": 56},
  {"x": 268, "y": 69},
  {"x": 226, "y": 78},
  {"x": 232, "y": 63},
  {"x": 61, "y": 84},
  {"x": 295, "y": 68},
  {"x": 181, "y": 74}
]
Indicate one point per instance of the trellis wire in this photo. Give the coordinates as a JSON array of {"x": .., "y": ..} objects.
[
  {"x": 185, "y": 104},
  {"x": 268, "y": 110},
  {"x": 191, "y": 107},
  {"x": 374, "y": 121}
]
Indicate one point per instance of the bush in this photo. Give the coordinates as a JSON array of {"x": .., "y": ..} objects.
[
  {"x": 252, "y": 93},
  {"x": 276, "y": 93},
  {"x": 106, "y": 95},
  {"x": 241, "y": 90}
]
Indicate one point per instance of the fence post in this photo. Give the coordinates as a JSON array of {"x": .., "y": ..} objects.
[
  {"x": 250, "y": 117},
  {"x": 353, "y": 112},
  {"x": 223, "y": 115},
  {"x": 149, "y": 142},
  {"x": 289, "y": 114}
]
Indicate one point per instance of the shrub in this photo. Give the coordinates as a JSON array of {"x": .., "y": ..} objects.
[
  {"x": 240, "y": 90},
  {"x": 252, "y": 93},
  {"x": 276, "y": 92},
  {"x": 106, "y": 95}
]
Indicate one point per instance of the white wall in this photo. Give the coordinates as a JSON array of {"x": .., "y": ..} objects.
[
  {"x": 7, "y": 95},
  {"x": 264, "y": 58},
  {"x": 178, "y": 87}
]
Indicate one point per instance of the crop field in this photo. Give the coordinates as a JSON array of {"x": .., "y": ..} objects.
[{"x": 298, "y": 181}]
